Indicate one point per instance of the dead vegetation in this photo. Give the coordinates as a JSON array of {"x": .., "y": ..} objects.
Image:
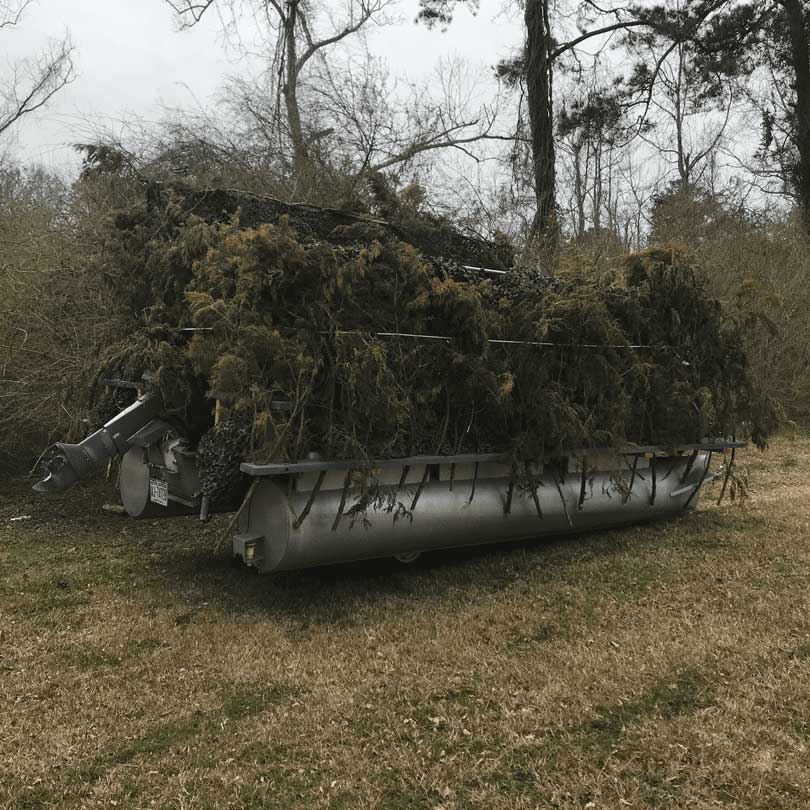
[
  {"x": 665, "y": 666},
  {"x": 331, "y": 334},
  {"x": 70, "y": 288},
  {"x": 56, "y": 313}
]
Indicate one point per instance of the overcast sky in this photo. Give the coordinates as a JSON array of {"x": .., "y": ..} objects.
[{"x": 132, "y": 61}]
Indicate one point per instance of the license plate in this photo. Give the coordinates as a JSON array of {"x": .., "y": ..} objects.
[{"x": 158, "y": 491}]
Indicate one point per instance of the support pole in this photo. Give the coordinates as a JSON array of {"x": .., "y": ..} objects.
[
  {"x": 689, "y": 464},
  {"x": 238, "y": 513},
  {"x": 420, "y": 487},
  {"x": 582, "y": 483},
  {"x": 311, "y": 500},
  {"x": 346, "y": 484},
  {"x": 699, "y": 483},
  {"x": 205, "y": 508},
  {"x": 474, "y": 481},
  {"x": 632, "y": 480},
  {"x": 562, "y": 499},
  {"x": 402, "y": 478},
  {"x": 509, "y": 493},
  {"x": 536, "y": 500},
  {"x": 729, "y": 470}
]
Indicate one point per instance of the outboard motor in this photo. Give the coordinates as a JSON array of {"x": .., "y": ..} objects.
[
  {"x": 70, "y": 463},
  {"x": 158, "y": 471}
]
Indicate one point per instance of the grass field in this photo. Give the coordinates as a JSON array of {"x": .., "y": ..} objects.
[{"x": 663, "y": 666}]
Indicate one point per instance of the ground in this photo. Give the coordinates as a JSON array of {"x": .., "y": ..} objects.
[{"x": 662, "y": 666}]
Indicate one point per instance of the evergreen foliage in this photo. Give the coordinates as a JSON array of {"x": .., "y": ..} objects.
[{"x": 311, "y": 339}]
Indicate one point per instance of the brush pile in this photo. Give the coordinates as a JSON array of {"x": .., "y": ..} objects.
[{"x": 353, "y": 338}]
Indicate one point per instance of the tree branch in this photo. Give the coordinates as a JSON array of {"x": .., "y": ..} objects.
[
  {"x": 442, "y": 140},
  {"x": 13, "y": 17},
  {"x": 607, "y": 29},
  {"x": 47, "y": 79},
  {"x": 368, "y": 11},
  {"x": 186, "y": 9}
]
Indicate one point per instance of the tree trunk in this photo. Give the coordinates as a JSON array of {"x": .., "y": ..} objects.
[
  {"x": 579, "y": 191},
  {"x": 679, "y": 116},
  {"x": 539, "y": 92},
  {"x": 290, "y": 92},
  {"x": 597, "y": 184},
  {"x": 800, "y": 63}
]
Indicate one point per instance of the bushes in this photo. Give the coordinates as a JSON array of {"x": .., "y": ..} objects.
[
  {"x": 54, "y": 317},
  {"x": 764, "y": 277},
  {"x": 760, "y": 271}
]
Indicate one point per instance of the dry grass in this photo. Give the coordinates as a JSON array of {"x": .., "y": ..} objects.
[{"x": 662, "y": 666}]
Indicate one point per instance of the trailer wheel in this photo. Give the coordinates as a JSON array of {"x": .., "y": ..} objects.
[{"x": 408, "y": 557}]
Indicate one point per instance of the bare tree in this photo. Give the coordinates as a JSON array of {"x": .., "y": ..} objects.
[
  {"x": 688, "y": 117},
  {"x": 32, "y": 82},
  {"x": 590, "y": 129},
  {"x": 302, "y": 32},
  {"x": 331, "y": 106},
  {"x": 380, "y": 124},
  {"x": 190, "y": 12}
]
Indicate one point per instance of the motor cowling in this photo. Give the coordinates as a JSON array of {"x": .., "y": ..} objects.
[{"x": 70, "y": 463}]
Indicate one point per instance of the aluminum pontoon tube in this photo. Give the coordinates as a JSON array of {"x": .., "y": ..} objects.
[
  {"x": 72, "y": 463},
  {"x": 272, "y": 536}
]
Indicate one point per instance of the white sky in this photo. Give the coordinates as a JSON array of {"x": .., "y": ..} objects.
[{"x": 131, "y": 62}]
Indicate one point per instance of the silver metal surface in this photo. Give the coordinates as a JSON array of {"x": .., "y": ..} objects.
[
  {"x": 170, "y": 462},
  {"x": 285, "y": 468},
  {"x": 445, "y": 517},
  {"x": 71, "y": 463}
]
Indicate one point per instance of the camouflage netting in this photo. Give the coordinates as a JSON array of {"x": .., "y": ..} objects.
[
  {"x": 430, "y": 235},
  {"x": 333, "y": 335}
]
